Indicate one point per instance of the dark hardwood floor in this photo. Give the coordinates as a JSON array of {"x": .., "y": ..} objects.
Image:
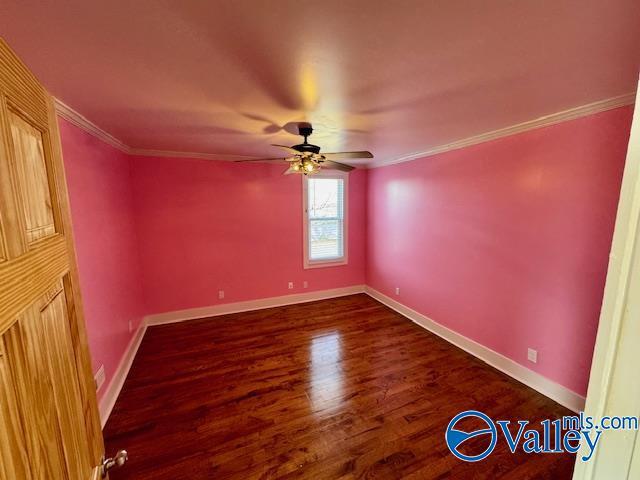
[{"x": 342, "y": 388}]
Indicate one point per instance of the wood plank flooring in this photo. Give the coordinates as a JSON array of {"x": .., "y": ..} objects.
[{"x": 336, "y": 389}]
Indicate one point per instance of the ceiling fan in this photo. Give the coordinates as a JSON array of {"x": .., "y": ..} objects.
[{"x": 306, "y": 158}]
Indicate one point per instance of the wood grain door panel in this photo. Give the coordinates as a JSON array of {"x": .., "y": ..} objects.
[
  {"x": 13, "y": 444},
  {"x": 52, "y": 318},
  {"x": 34, "y": 388},
  {"x": 33, "y": 178}
]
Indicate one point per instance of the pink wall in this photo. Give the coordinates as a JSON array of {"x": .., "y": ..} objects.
[
  {"x": 100, "y": 194},
  {"x": 506, "y": 242},
  {"x": 195, "y": 227},
  {"x": 205, "y": 226}
]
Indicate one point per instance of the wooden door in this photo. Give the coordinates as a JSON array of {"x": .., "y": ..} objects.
[{"x": 49, "y": 425}]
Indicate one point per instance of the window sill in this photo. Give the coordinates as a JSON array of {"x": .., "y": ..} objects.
[{"x": 325, "y": 263}]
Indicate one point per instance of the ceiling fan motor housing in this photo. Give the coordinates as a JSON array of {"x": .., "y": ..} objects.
[{"x": 306, "y": 147}]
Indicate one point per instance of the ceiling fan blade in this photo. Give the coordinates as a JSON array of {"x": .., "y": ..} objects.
[
  {"x": 292, "y": 150},
  {"x": 337, "y": 166},
  {"x": 260, "y": 159},
  {"x": 347, "y": 155}
]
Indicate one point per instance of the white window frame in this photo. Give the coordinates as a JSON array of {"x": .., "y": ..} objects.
[{"x": 308, "y": 263}]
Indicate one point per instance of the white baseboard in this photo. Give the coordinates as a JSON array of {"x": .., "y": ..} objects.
[
  {"x": 237, "y": 307},
  {"x": 554, "y": 391},
  {"x": 116, "y": 383},
  {"x": 548, "y": 388},
  {"x": 108, "y": 400}
]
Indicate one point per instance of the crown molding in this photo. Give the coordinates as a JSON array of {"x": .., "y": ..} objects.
[
  {"x": 69, "y": 114},
  {"x": 88, "y": 126},
  {"x": 79, "y": 120},
  {"x": 545, "y": 121},
  {"x": 144, "y": 152}
]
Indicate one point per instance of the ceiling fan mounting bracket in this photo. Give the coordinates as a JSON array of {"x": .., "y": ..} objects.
[{"x": 305, "y": 130}]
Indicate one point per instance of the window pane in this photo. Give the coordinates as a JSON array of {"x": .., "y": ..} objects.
[
  {"x": 323, "y": 197},
  {"x": 325, "y": 218},
  {"x": 325, "y": 239}
]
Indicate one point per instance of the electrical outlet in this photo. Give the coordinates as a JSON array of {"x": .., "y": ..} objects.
[
  {"x": 397, "y": 290},
  {"x": 305, "y": 284},
  {"x": 532, "y": 355},
  {"x": 220, "y": 294},
  {"x": 130, "y": 326},
  {"x": 99, "y": 377},
  {"x": 290, "y": 285}
]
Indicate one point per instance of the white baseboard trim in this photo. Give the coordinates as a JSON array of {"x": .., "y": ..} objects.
[
  {"x": 238, "y": 307},
  {"x": 548, "y": 388},
  {"x": 108, "y": 400},
  {"x": 116, "y": 383},
  {"x": 554, "y": 391}
]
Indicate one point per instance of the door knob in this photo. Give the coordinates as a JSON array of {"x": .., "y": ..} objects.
[{"x": 116, "y": 462}]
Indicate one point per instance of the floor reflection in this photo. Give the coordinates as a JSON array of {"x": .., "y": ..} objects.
[{"x": 327, "y": 376}]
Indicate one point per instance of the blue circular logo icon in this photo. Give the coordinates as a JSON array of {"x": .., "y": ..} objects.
[{"x": 455, "y": 438}]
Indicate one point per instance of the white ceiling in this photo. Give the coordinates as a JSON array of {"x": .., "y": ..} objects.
[{"x": 393, "y": 77}]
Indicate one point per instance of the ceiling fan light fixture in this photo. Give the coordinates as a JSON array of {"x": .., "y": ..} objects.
[
  {"x": 309, "y": 166},
  {"x": 304, "y": 165}
]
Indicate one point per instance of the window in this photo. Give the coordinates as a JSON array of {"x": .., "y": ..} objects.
[{"x": 324, "y": 219}]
